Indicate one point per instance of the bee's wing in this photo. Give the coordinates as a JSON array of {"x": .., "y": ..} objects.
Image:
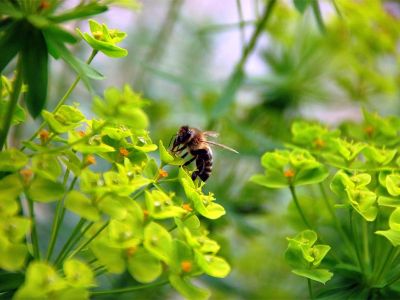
[
  {"x": 220, "y": 145},
  {"x": 211, "y": 133}
]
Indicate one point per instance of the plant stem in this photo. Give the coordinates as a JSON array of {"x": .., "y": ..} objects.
[
  {"x": 365, "y": 243},
  {"x": 383, "y": 267},
  {"x": 74, "y": 242},
  {"x": 11, "y": 105},
  {"x": 310, "y": 290},
  {"x": 77, "y": 250},
  {"x": 64, "y": 98},
  {"x": 355, "y": 238},
  {"x": 58, "y": 219},
  {"x": 129, "y": 289},
  {"x": 318, "y": 16},
  {"x": 34, "y": 235},
  {"x": 70, "y": 240},
  {"x": 241, "y": 24},
  {"x": 296, "y": 202},
  {"x": 237, "y": 76}
]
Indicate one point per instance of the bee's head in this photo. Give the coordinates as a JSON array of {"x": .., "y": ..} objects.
[{"x": 182, "y": 137}]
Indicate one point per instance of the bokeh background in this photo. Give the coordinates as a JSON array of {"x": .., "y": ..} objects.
[{"x": 325, "y": 65}]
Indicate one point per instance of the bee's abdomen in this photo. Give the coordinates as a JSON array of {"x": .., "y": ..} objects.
[{"x": 203, "y": 163}]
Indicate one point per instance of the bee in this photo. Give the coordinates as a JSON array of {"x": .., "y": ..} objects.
[{"x": 196, "y": 143}]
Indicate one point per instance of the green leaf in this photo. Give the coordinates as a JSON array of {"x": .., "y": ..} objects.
[
  {"x": 187, "y": 289},
  {"x": 11, "y": 43},
  {"x": 161, "y": 206},
  {"x": 270, "y": 181},
  {"x": 41, "y": 280},
  {"x": 320, "y": 275},
  {"x": 66, "y": 118},
  {"x": 12, "y": 160},
  {"x": 392, "y": 235},
  {"x": 8, "y": 206},
  {"x": 388, "y": 201},
  {"x": 44, "y": 190},
  {"x": 78, "y": 274},
  {"x": 125, "y": 233},
  {"x": 165, "y": 156},
  {"x": 19, "y": 115},
  {"x": 143, "y": 266},
  {"x": 158, "y": 241},
  {"x": 393, "y": 184},
  {"x": 10, "y": 186},
  {"x": 364, "y": 202},
  {"x": 82, "y": 206},
  {"x": 12, "y": 256},
  {"x": 79, "y": 12},
  {"x": 301, "y": 5},
  {"x": 112, "y": 206},
  {"x": 380, "y": 156},
  {"x": 212, "y": 265},
  {"x": 47, "y": 166},
  {"x": 111, "y": 258},
  {"x": 35, "y": 71},
  {"x": 15, "y": 228}
]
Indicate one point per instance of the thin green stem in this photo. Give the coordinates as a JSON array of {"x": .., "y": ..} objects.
[
  {"x": 129, "y": 289},
  {"x": 345, "y": 237},
  {"x": 241, "y": 23},
  {"x": 389, "y": 257},
  {"x": 355, "y": 238},
  {"x": 77, "y": 250},
  {"x": 365, "y": 244},
  {"x": 74, "y": 242},
  {"x": 64, "y": 98},
  {"x": 34, "y": 235},
  {"x": 318, "y": 16},
  {"x": 12, "y": 104},
  {"x": 310, "y": 290},
  {"x": 58, "y": 219},
  {"x": 70, "y": 240},
  {"x": 296, "y": 202},
  {"x": 237, "y": 76}
]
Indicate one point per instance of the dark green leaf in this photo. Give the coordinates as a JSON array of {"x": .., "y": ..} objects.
[
  {"x": 10, "y": 43},
  {"x": 35, "y": 71},
  {"x": 80, "y": 12},
  {"x": 301, "y": 5}
]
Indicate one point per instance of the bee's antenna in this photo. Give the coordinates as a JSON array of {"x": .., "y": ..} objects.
[{"x": 171, "y": 140}]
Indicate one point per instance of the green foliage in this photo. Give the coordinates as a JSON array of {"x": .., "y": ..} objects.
[
  {"x": 364, "y": 179},
  {"x": 131, "y": 220},
  {"x": 305, "y": 257},
  {"x": 33, "y": 31}
]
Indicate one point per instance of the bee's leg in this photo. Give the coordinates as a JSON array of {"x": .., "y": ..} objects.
[
  {"x": 189, "y": 161},
  {"x": 184, "y": 155},
  {"x": 179, "y": 149}
]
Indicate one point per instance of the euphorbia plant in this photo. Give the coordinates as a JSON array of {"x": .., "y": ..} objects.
[
  {"x": 360, "y": 165},
  {"x": 129, "y": 217}
]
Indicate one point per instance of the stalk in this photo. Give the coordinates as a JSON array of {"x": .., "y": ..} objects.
[
  {"x": 129, "y": 289},
  {"x": 77, "y": 250},
  {"x": 34, "y": 235},
  {"x": 237, "y": 76},
  {"x": 296, "y": 202},
  {"x": 355, "y": 238},
  {"x": 64, "y": 98},
  {"x": 310, "y": 290},
  {"x": 57, "y": 221},
  {"x": 70, "y": 240},
  {"x": 11, "y": 105}
]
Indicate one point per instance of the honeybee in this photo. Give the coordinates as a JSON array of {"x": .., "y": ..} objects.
[{"x": 196, "y": 143}]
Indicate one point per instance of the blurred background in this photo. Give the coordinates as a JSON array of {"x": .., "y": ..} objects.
[{"x": 323, "y": 61}]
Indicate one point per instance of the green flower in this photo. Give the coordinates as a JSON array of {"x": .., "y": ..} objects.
[{"x": 104, "y": 39}]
